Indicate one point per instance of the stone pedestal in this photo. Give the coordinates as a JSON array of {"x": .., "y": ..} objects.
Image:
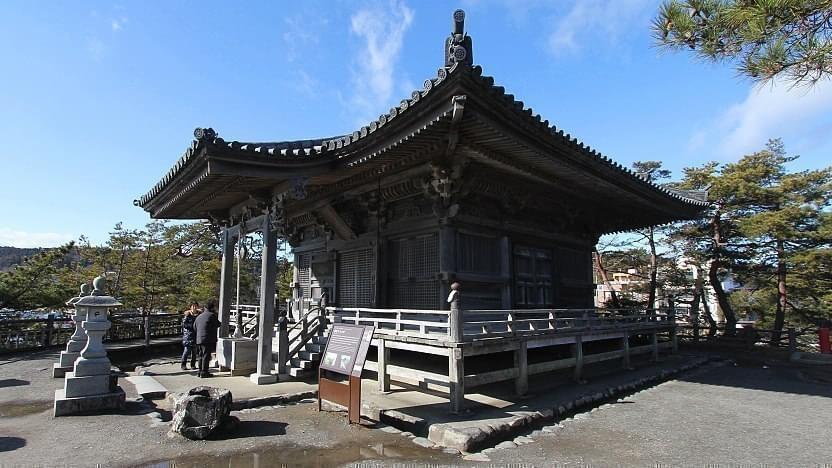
[
  {"x": 91, "y": 387},
  {"x": 239, "y": 355}
]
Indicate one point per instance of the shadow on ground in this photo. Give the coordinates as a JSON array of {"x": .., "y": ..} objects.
[{"x": 7, "y": 444}]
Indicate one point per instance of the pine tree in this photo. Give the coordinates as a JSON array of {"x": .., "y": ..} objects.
[{"x": 766, "y": 38}]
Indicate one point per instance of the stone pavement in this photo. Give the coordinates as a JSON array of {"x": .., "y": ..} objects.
[{"x": 764, "y": 414}]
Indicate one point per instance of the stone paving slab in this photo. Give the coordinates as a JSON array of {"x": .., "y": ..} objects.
[
  {"x": 147, "y": 386},
  {"x": 496, "y": 414},
  {"x": 175, "y": 380}
]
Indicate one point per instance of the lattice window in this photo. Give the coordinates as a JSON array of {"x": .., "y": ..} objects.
[
  {"x": 357, "y": 278},
  {"x": 305, "y": 274},
  {"x": 533, "y": 277},
  {"x": 414, "y": 264},
  {"x": 478, "y": 254}
]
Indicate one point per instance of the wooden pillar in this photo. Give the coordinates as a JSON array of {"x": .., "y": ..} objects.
[
  {"x": 578, "y": 352},
  {"x": 625, "y": 347},
  {"x": 521, "y": 363},
  {"x": 655, "y": 337},
  {"x": 447, "y": 260},
  {"x": 505, "y": 270},
  {"x": 226, "y": 285},
  {"x": 383, "y": 359},
  {"x": 268, "y": 277},
  {"x": 456, "y": 376}
]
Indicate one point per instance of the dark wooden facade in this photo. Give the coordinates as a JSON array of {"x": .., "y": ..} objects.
[{"x": 460, "y": 181}]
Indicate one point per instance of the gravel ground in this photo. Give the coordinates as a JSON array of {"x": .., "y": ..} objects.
[
  {"x": 727, "y": 416},
  {"x": 722, "y": 416},
  {"x": 294, "y": 434}
]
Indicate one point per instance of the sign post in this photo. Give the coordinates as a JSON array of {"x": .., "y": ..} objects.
[{"x": 345, "y": 354}]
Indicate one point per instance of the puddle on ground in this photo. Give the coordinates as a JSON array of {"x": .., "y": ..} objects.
[
  {"x": 318, "y": 457},
  {"x": 24, "y": 408}
]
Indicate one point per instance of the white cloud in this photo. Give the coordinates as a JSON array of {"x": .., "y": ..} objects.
[
  {"x": 301, "y": 34},
  {"x": 13, "y": 238},
  {"x": 382, "y": 29},
  {"x": 116, "y": 24},
  {"x": 769, "y": 111},
  {"x": 590, "y": 18}
]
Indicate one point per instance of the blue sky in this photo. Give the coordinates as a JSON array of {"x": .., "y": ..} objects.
[{"x": 98, "y": 99}]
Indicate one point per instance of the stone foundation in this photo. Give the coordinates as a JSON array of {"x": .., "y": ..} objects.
[{"x": 65, "y": 406}]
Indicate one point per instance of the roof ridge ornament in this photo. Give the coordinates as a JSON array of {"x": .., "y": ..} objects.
[
  {"x": 458, "y": 46},
  {"x": 204, "y": 133}
]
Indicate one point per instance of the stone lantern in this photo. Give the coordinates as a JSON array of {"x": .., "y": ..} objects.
[
  {"x": 91, "y": 387},
  {"x": 78, "y": 339}
]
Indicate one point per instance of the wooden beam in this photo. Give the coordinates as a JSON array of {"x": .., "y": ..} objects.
[{"x": 331, "y": 217}]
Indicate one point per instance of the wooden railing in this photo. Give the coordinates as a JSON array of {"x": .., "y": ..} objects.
[
  {"x": 416, "y": 322},
  {"x": 486, "y": 324},
  {"x": 482, "y": 324},
  {"x": 250, "y": 315},
  {"x": 292, "y": 338},
  {"x": 30, "y": 334}
]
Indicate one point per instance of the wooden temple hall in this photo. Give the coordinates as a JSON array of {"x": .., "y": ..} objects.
[{"x": 459, "y": 182}]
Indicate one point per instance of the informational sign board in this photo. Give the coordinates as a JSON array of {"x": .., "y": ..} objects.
[
  {"x": 345, "y": 354},
  {"x": 346, "y": 348}
]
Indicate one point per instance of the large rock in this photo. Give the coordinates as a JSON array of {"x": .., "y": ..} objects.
[{"x": 201, "y": 411}]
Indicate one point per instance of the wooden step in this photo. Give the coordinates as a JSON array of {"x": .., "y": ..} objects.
[
  {"x": 314, "y": 347},
  {"x": 300, "y": 373},
  {"x": 309, "y": 356},
  {"x": 302, "y": 363}
]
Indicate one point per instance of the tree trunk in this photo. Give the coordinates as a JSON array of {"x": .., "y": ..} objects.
[
  {"x": 603, "y": 272},
  {"x": 721, "y": 296},
  {"x": 782, "y": 302},
  {"x": 697, "y": 287},
  {"x": 712, "y": 325},
  {"x": 722, "y": 299},
  {"x": 651, "y": 298}
]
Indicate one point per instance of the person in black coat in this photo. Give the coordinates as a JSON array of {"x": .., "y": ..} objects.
[
  {"x": 206, "y": 325},
  {"x": 189, "y": 336}
]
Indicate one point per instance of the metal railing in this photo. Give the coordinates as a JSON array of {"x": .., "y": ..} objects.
[{"x": 31, "y": 334}]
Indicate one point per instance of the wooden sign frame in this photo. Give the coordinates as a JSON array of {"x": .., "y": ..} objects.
[{"x": 346, "y": 358}]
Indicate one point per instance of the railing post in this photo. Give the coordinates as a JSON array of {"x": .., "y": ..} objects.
[
  {"x": 383, "y": 360},
  {"x": 696, "y": 331},
  {"x": 455, "y": 320},
  {"x": 282, "y": 344},
  {"x": 792, "y": 339}
]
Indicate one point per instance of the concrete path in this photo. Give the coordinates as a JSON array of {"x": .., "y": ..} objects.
[{"x": 756, "y": 415}]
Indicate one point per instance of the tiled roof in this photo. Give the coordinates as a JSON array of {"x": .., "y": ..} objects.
[{"x": 336, "y": 147}]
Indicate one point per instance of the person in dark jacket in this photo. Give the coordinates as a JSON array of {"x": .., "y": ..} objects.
[
  {"x": 189, "y": 336},
  {"x": 206, "y": 326}
]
